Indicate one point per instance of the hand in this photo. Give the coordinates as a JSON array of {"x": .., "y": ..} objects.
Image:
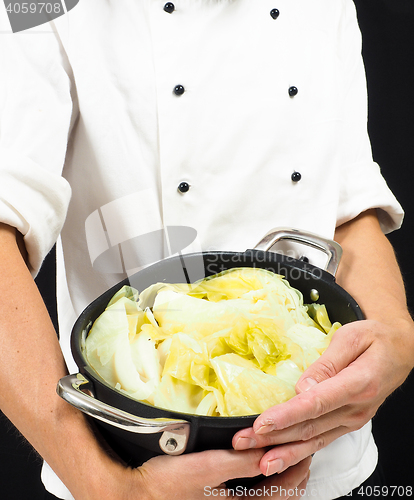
[
  {"x": 199, "y": 475},
  {"x": 337, "y": 394}
]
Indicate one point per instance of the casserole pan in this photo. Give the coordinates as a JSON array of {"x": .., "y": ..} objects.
[{"x": 138, "y": 431}]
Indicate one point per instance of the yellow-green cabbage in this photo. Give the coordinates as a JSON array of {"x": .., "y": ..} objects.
[{"x": 232, "y": 344}]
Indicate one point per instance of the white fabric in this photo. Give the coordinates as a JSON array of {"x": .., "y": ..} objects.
[{"x": 103, "y": 76}]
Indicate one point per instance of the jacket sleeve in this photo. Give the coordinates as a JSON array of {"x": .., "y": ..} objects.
[
  {"x": 362, "y": 185},
  {"x": 36, "y": 114}
]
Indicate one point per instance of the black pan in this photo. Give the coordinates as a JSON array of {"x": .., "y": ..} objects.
[{"x": 138, "y": 431}]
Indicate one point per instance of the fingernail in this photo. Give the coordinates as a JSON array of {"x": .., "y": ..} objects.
[
  {"x": 264, "y": 429},
  {"x": 274, "y": 466},
  {"x": 244, "y": 443},
  {"x": 307, "y": 384}
]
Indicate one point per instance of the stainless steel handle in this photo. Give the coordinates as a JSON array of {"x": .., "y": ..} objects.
[
  {"x": 175, "y": 433},
  {"x": 331, "y": 248}
]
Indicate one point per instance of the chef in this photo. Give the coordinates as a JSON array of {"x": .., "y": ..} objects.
[{"x": 229, "y": 117}]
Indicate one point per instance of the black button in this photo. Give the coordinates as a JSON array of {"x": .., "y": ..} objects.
[
  {"x": 293, "y": 91},
  {"x": 169, "y": 7},
  {"x": 179, "y": 90},
  {"x": 296, "y": 176},
  {"x": 183, "y": 187},
  {"x": 275, "y": 13}
]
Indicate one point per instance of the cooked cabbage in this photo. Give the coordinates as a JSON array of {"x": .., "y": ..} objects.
[{"x": 231, "y": 344}]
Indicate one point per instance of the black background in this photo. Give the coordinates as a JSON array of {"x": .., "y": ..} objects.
[{"x": 388, "y": 49}]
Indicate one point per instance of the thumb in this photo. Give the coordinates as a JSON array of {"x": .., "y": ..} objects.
[{"x": 346, "y": 346}]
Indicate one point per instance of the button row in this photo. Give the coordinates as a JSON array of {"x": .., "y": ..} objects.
[
  {"x": 184, "y": 187},
  {"x": 179, "y": 90},
  {"x": 169, "y": 7}
]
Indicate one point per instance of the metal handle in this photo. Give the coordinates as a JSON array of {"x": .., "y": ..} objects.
[
  {"x": 331, "y": 248},
  {"x": 175, "y": 433}
]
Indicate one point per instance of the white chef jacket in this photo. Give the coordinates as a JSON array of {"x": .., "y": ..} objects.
[{"x": 106, "y": 111}]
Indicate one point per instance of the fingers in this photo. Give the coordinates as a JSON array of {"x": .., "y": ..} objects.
[
  {"x": 290, "y": 484},
  {"x": 281, "y": 458},
  {"x": 229, "y": 464},
  {"x": 197, "y": 475},
  {"x": 303, "y": 431},
  {"x": 346, "y": 346},
  {"x": 190, "y": 474},
  {"x": 289, "y": 452}
]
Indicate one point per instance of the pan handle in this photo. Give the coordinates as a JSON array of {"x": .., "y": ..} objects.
[
  {"x": 331, "y": 248},
  {"x": 175, "y": 433}
]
